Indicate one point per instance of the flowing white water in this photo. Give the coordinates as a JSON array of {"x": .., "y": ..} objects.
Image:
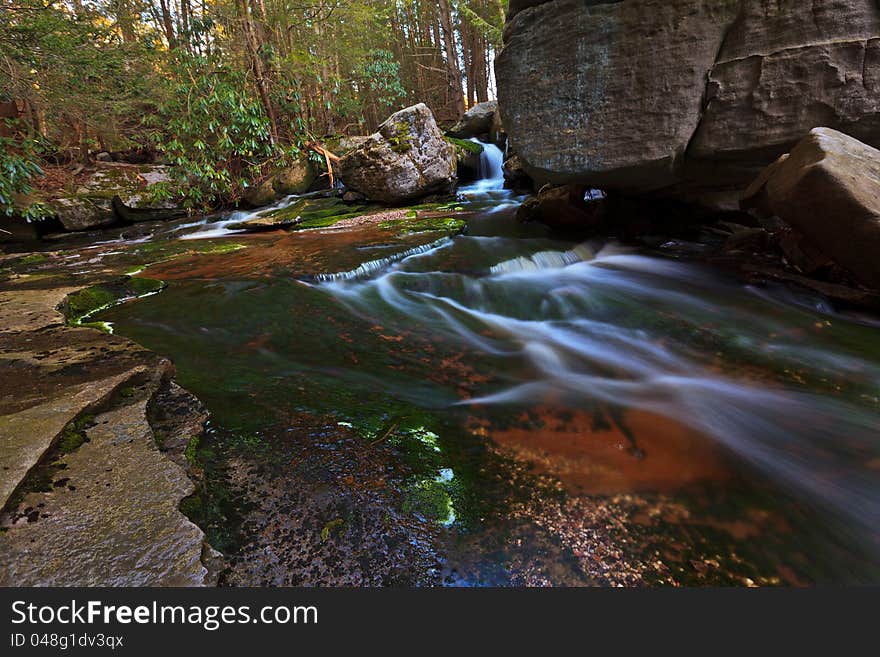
[
  {"x": 489, "y": 189},
  {"x": 580, "y": 325},
  {"x": 218, "y": 227}
]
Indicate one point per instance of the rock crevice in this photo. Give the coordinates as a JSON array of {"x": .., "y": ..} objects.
[{"x": 88, "y": 497}]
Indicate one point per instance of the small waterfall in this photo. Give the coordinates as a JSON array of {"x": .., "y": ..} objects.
[
  {"x": 217, "y": 226},
  {"x": 371, "y": 267},
  {"x": 491, "y": 160},
  {"x": 490, "y": 187}
]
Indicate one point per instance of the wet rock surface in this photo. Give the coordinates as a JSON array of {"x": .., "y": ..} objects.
[
  {"x": 111, "y": 517},
  {"x": 88, "y": 498}
]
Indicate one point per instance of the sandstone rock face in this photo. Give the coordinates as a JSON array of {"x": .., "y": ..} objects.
[
  {"x": 92, "y": 204},
  {"x": 296, "y": 179},
  {"x": 260, "y": 194},
  {"x": 111, "y": 515},
  {"x": 405, "y": 159},
  {"x": 641, "y": 95},
  {"x": 476, "y": 121},
  {"x": 828, "y": 189}
]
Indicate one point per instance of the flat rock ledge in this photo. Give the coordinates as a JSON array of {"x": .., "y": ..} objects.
[{"x": 105, "y": 512}]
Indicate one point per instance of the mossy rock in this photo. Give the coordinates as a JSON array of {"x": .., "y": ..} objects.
[
  {"x": 416, "y": 224},
  {"x": 303, "y": 213},
  {"x": 81, "y": 305},
  {"x": 465, "y": 147}
]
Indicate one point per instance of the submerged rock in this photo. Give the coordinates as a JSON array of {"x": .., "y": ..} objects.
[
  {"x": 828, "y": 189},
  {"x": 682, "y": 95},
  {"x": 406, "y": 159},
  {"x": 476, "y": 121},
  {"x": 569, "y": 206}
]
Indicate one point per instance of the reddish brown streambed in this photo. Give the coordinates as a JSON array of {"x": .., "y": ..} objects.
[{"x": 505, "y": 409}]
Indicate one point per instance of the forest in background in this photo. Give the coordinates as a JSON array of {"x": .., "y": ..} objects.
[{"x": 224, "y": 90}]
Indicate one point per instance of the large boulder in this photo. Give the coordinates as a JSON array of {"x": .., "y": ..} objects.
[
  {"x": 407, "y": 158},
  {"x": 92, "y": 204},
  {"x": 476, "y": 121},
  {"x": 682, "y": 95},
  {"x": 828, "y": 189},
  {"x": 260, "y": 194},
  {"x": 295, "y": 179}
]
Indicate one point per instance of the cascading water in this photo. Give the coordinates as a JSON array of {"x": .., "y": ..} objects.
[
  {"x": 504, "y": 321},
  {"x": 489, "y": 189},
  {"x": 578, "y": 327}
]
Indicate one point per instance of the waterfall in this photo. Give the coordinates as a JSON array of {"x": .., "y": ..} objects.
[{"x": 490, "y": 186}]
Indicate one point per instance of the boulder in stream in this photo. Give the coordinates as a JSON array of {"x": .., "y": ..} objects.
[
  {"x": 828, "y": 189},
  {"x": 476, "y": 122},
  {"x": 406, "y": 159},
  {"x": 565, "y": 207},
  {"x": 294, "y": 179},
  {"x": 92, "y": 205}
]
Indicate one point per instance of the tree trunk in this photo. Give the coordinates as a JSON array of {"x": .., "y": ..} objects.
[{"x": 456, "y": 95}]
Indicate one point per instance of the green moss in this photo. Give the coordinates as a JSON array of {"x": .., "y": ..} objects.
[
  {"x": 73, "y": 436},
  {"x": 84, "y": 303},
  {"x": 402, "y": 140},
  {"x": 193, "y": 507},
  {"x": 220, "y": 248},
  {"x": 191, "y": 451},
  {"x": 315, "y": 213},
  {"x": 414, "y": 224},
  {"x": 465, "y": 147},
  {"x": 33, "y": 259},
  {"x": 330, "y": 527},
  {"x": 429, "y": 499}
]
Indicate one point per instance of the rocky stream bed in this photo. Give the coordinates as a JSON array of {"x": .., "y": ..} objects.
[{"x": 434, "y": 396}]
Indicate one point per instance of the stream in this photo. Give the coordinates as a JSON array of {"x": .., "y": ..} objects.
[{"x": 537, "y": 405}]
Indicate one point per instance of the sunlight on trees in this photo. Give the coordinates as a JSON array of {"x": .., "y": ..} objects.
[{"x": 226, "y": 89}]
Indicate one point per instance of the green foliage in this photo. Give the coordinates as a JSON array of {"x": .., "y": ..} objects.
[
  {"x": 227, "y": 91},
  {"x": 89, "y": 86},
  {"x": 19, "y": 165},
  {"x": 214, "y": 133},
  {"x": 379, "y": 80}
]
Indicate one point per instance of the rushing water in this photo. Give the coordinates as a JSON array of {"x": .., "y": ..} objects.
[{"x": 773, "y": 378}]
